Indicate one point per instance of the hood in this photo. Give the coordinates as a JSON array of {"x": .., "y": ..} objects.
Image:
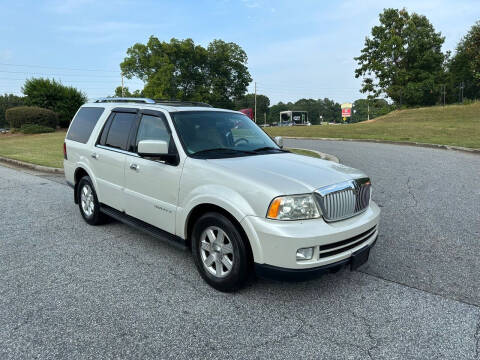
[{"x": 288, "y": 173}]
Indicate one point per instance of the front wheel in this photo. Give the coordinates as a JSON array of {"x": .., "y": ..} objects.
[{"x": 219, "y": 252}]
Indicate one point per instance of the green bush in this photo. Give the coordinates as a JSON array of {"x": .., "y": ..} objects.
[
  {"x": 50, "y": 94},
  {"x": 35, "y": 129},
  {"x": 8, "y": 101},
  {"x": 21, "y": 115}
]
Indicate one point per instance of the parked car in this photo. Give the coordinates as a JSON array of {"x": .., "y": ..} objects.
[{"x": 211, "y": 181}]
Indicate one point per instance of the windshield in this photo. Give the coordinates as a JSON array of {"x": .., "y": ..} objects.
[{"x": 219, "y": 133}]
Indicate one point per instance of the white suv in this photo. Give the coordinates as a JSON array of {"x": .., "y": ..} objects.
[{"x": 212, "y": 181}]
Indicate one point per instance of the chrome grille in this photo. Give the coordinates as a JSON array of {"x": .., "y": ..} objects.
[{"x": 344, "y": 200}]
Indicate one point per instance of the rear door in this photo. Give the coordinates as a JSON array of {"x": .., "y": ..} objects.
[
  {"x": 151, "y": 186},
  {"x": 109, "y": 157}
]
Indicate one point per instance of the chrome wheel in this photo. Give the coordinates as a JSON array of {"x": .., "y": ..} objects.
[
  {"x": 86, "y": 200},
  {"x": 216, "y": 251}
]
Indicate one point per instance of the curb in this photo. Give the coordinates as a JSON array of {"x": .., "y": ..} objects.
[
  {"x": 323, "y": 156},
  {"x": 24, "y": 164},
  {"x": 407, "y": 143}
]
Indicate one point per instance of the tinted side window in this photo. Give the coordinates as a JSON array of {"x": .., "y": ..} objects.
[
  {"x": 119, "y": 130},
  {"x": 83, "y": 124},
  {"x": 152, "y": 128}
]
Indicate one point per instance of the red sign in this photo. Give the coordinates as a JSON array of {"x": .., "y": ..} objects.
[{"x": 346, "y": 112}]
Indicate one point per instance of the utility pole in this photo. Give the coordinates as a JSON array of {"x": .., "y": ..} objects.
[
  {"x": 255, "y": 101},
  {"x": 265, "y": 117},
  {"x": 368, "y": 109},
  {"x": 462, "y": 86},
  {"x": 444, "y": 91},
  {"x": 122, "y": 86}
]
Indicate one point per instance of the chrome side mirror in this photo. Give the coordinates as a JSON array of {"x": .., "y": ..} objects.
[{"x": 279, "y": 141}]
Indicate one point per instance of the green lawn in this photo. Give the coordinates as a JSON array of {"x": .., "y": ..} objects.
[
  {"x": 41, "y": 149},
  {"x": 304, "y": 152},
  {"x": 451, "y": 125}
]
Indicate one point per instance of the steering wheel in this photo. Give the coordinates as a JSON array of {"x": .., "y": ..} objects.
[{"x": 238, "y": 140}]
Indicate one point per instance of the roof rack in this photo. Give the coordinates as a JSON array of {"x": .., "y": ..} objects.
[
  {"x": 181, "y": 103},
  {"x": 151, "y": 101},
  {"x": 126, "y": 99}
]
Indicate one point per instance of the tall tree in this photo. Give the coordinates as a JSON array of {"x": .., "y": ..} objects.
[
  {"x": 464, "y": 67},
  {"x": 403, "y": 59},
  {"x": 182, "y": 70}
]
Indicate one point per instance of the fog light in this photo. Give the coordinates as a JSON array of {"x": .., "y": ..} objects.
[{"x": 305, "y": 253}]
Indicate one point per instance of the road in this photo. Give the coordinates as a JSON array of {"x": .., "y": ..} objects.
[{"x": 69, "y": 290}]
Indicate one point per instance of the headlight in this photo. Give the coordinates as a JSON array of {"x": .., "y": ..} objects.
[{"x": 295, "y": 207}]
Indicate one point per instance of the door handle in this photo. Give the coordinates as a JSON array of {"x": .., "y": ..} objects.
[
  {"x": 134, "y": 167},
  {"x": 94, "y": 155}
]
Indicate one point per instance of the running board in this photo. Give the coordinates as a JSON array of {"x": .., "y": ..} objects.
[{"x": 174, "y": 240}]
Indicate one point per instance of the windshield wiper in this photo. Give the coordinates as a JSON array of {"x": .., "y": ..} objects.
[
  {"x": 206, "y": 151},
  {"x": 266, "y": 148}
]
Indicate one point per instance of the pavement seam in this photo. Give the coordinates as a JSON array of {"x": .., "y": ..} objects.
[{"x": 465, "y": 302}]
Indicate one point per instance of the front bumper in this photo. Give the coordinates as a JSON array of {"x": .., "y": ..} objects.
[
  {"x": 275, "y": 243},
  {"x": 278, "y": 273}
]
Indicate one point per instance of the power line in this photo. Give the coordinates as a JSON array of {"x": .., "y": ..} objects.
[{"x": 58, "y": 68}]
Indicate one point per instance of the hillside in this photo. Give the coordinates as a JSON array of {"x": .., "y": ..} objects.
[{"x": 457, "y": 125}]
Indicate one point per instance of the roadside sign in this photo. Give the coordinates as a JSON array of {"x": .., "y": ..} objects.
[{"x": 346, "y": 110}]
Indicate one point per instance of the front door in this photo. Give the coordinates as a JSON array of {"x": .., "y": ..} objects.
[{"x": 151, "y": 186}]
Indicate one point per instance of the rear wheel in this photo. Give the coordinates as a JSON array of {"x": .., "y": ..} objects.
[
  {"x": 88, "y": 202},
  {"x": 219, "y": 252}
]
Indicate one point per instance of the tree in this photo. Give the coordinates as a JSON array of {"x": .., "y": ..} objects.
[
  {"x": 182, "y": 70},
  {"x": 328, "y": 109},
  {"x": 403, "y": 59},
  {"x": 378, "y": 107},
  {"x": 127, "y": 93},
  {"x": 464, "y": 67},
  {"x": 248, "y": 101},
  {"x": 8, "y": 101},
  {"x": 50, "y": 94}
]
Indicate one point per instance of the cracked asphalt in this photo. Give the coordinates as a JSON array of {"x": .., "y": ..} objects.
[{"x": 69, "y": 290}]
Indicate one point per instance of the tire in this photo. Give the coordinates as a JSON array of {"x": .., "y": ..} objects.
[
  {"x": 223, "y": 264},
  {"x": 88, "y": 202}
]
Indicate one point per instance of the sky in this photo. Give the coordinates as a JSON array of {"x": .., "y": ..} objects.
[{"x": 296, "y": 49}]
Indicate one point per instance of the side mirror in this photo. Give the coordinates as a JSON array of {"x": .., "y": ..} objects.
[
  {"x": 158, "y": 150},
  {"x": 153, "y": 148},
  {"x": 279, "y": 141}
]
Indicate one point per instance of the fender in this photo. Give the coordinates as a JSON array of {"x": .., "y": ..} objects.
[
  {"x": 84, "y": 166},
  {"x": 221, "y": 196}
]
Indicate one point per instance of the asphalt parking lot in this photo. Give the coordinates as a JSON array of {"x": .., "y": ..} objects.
[{"x": 69, "y": 290}]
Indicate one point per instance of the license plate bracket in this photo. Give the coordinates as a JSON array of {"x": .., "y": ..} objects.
[{"x": 359, "y": 258}]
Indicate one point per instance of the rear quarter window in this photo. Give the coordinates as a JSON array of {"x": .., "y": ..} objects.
[{"x": 83, "y": 123}]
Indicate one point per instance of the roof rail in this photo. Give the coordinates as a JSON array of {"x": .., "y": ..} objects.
[
  {"x": 181, "y": 103},
  {"x": 125, "y": 99}
]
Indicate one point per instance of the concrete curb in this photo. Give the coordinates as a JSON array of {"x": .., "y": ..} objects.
[
  {"x": 24, "y": 164},
  {"x": 322, "y": 155},
  {"x": 407, "y": 143}
]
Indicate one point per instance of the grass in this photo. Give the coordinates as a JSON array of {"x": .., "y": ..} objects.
[
  {"x": 304, "y": 152},
  {"x": 40, "y": 149},
  {"x": 47, "y": 149},
  {"x": 457, "y": 125}
]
